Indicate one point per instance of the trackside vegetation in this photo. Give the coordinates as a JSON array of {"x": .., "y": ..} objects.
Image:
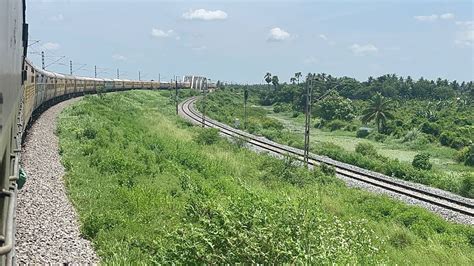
[
  {"x": 152, "y": 189},
  {"x": 341, "y": 125}
]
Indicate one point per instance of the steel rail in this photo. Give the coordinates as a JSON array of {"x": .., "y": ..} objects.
[{"x": 399, "y": 188}]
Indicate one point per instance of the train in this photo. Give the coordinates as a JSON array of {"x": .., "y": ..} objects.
[{"x": 26, "y": 90}]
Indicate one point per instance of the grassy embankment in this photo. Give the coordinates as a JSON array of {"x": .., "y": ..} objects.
[
  {"x": 393, "y": 157},
  {"x": 150, "y": 188}
]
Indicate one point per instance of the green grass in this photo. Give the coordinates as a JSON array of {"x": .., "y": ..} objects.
[
  {"x": 394, "y": 157},
  {"x": 442, "y": 157},
  {"x": 148, "y": 193}
]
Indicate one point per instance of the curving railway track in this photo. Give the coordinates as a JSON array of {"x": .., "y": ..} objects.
[{"x": 442, "y": 201}]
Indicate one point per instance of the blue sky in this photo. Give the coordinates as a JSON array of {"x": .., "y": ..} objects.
[{"x": 240, "y": 41}]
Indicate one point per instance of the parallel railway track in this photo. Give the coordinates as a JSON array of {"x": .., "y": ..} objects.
[{"x": 453, "y": 203}]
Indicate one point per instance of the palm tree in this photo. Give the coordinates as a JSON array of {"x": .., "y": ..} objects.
[
  {"x": 378, "y": 110},
  {"x": 298, "y": 76},
  {"x": 268, "y": 78},
  {"x": 292, "y": 80},
  {"x": 275, "y": 81}
]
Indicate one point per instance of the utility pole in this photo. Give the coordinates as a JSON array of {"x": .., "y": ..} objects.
[
  {"x": 139, "y": 76},
  {"x": 42, "y": 60},
  {"x": 95, "y": 71},
  {"x": 70, "y": 67},
  {"x": 204, "y": 99},
  {"x": 246, "y": 96},
  {"x": 309, "y": 91},
  {"x": 118, "y": 73},
  {"x": 176, "y": 94}
]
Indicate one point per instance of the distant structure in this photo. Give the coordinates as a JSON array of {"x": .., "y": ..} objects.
[{"x": 195, "y": 82}]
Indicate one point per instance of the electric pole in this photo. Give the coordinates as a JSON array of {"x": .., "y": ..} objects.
[
  {"x": 118, "y": 73},
  {"x": 246, "y": 96},
  {"x": 95, "y": 71},
  {"x": 42, "y": 60},
  {"x": 204, "y": 91},
  {"x": 70, "y": 67},
  {"x": 176, "y": 94},
  {"x": 309, "y": 91},
  {"x": 139, "y": 76}
]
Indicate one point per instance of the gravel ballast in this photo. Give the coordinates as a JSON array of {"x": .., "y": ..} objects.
[{"x": 47, "y": 224}]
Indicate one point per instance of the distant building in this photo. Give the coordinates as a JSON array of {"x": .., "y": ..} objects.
[{"x": 195, "y": 82}]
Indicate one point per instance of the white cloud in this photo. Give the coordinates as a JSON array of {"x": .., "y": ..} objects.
[
  {"x": 57, "y": 18},
  {"x": 51, "y": 46},
  {"x": 277, "y": 34},
  {"x": 430, "y": 18},
  {"x": 199, "y": 48},
  {"x": 447, "y": 16},
  {"x": 465, "y": 36},
  {"x": 324, "y": 37},
  {"x": 468, "y": 23},
  {"x": 161, "y": 33},
  {"x": 361, "y": 50},
  {"x": 119, "y": 57},
  {"x": 203, "y": 14},
  {"x": 310, "y": 60}
]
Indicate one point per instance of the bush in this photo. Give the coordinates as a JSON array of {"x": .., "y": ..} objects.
[
  {"x": 336, "y": 124},
  {"x": 453, "y": 140},
  {"x": 467, "y": 186},
  {"x": 207, "y": 136},
  {"x": 327, "y": 169},
  {"x": 422, "y": 161},
  {"x": 378, "y": 137},
  {"x": 363, "y": 132},
  {"x": 431, "y": 128},
  {"x": 446, "y": 138},
  {"x": 411, "y": 135},
  {"x": 366, "y": 149},
  {"x": 351, "y": 128},
  {"x": 470, "y": 156},
  {"x": 461, "y": 155},
  {"x": 277, "y": 108}
]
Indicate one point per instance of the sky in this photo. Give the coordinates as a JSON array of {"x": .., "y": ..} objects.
[{"x": 240, "y": 41}]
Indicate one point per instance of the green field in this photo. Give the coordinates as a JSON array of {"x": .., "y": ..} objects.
[
  {"x": 442, "y": 157},
  {"x": 152, "y": 189}
]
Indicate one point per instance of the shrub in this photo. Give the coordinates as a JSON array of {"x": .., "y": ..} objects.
[
  {"x": 336, "y": 124},
  {"x": 328, "y": 169},
  {"x": 470, "y": 156},
  {"x": 431, "y": 128},
  {"x": 467, "y": 186},
  {"x": 363, "y": 132},
  {"x": 379, "y": 137},
  {"x": 270, "y": 123},
  {"x": 90, "y": 133},
  {"x": 207, "y": 136},
  {"x": 411, "y": 135},
  {"x": 351, "y": 128},
  {"x": 461, "y": 155},
  {"x": 295, "y": 114},
  {"x": 334, "y": 106},
  {"x": 422, "y": 161},
  {"x": 366, "y": 149}
]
